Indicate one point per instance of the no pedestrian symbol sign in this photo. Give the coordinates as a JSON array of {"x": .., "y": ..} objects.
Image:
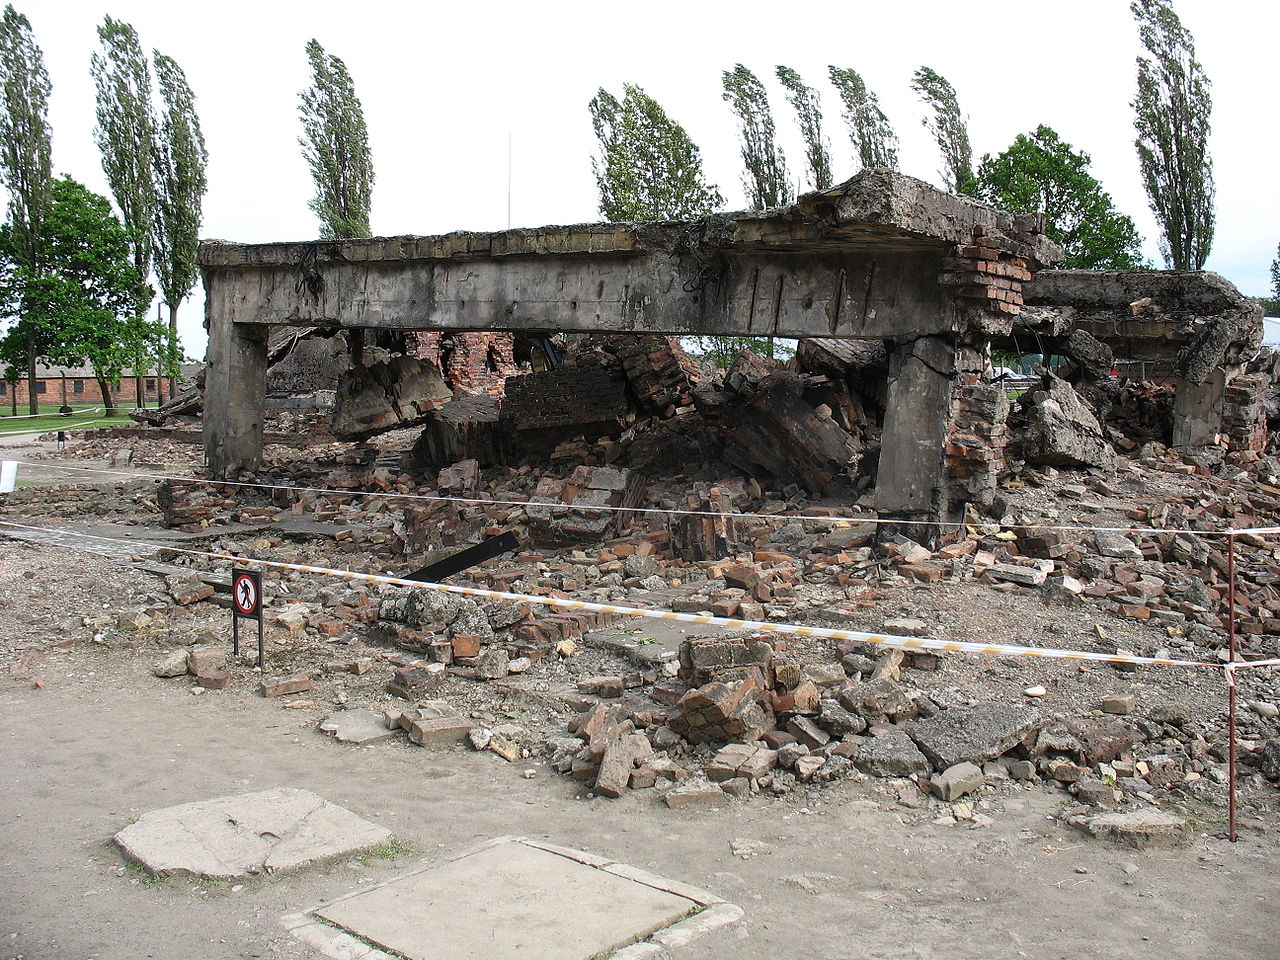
[{"x": 246, "y": 593}]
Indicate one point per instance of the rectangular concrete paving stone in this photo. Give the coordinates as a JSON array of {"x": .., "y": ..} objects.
[
  {"x": 521, "y": 901},
  {"x": 238, "y": 836}
]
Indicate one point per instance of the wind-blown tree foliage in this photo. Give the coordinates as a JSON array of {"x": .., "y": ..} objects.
[
  {"x": 648, "y": 168},
  {"x": 1171, "y": 115},
  {"x": 335, "y": 143},
  {"x": 872, "y": 135},
  {"x": 81, "y": 306},
  {"x": 949, "y": 128},
  {"x": 808, "y": 107},
  {"x": 25, "y": 150},
  {"x": 1275, "y": 274},
  {"x": 1040, "y": 173},
  {"x": 126, "y": 138},
  {"x": 765, "y": 178},
  {"x": 180, "y": 158}
]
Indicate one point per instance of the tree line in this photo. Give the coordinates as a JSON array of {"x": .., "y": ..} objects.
[
  {"x": 75, "y": 271},
  {"x": 649, "y": 168}
]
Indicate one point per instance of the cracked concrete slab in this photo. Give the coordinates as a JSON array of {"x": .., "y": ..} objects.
[
  {"x": 513, "y": 897},
  {"x": 272, "y": 831}
]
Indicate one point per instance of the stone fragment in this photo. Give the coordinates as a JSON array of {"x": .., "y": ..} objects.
[
  {"x": 417, "y": 681},
  {"x": 1112, "y": 543},
  {"x": 1012, "y": 573},
  {"x": 172, "y": 664},
  {"x": 357, "y": 725},
  {"x": 891, "y": 754},
  {"x": 493, "y": 664},
  {"x": 954, "y": 782},
  {"x": 808, "y": 732},
  {"x": 1141, "y": 828},
  {"x": 694, "y": 795},
  {"x": 1060, "y": 430},
  {"x": 1119, "y": 705},
  {"x": 806, "y": 767},
  {"x": 206, "y": 659},
  {"x": 977, "y": 733},
  {"x": 504, "y": 747},
  {"x": 279, "y": 686}
]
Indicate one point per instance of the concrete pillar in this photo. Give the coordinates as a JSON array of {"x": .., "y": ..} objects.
[
  {"x": 1198, "y": 408},
  {"x": 234, "y": 394},
  {"x": 911, "y": 479}
]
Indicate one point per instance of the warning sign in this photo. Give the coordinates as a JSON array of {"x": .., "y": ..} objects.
[{"x": 246, "y": 593}]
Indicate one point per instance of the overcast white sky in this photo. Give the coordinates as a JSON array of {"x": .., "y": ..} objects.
[{"x": 445, "y": 85}]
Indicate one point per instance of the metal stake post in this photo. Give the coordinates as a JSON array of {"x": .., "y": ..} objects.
[{"x": 1231, "y": 688}]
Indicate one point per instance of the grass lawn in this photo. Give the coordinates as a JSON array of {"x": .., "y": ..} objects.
[{"x": 52, "y": 420}]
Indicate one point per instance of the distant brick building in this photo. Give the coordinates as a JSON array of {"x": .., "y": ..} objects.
[{"x": 75, "y": 386}]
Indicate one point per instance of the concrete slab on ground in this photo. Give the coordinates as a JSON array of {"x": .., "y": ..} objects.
[
  {"x": 271, "y": 831},
  {"x": 514, "y": 897}
]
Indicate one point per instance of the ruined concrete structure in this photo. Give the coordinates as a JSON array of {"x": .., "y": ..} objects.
[
  {"x": 933, "y": 277},
  {"x": 1194, "y": 324},
  {"x": 882, "y": 256}
]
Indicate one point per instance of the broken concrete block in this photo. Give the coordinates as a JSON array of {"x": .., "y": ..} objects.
[
  {"x": 1141, "y": 828},
  {"x": 357, "y": 725},
  {"x": 213, "y": 679},
  {"x": 977, "y": 733},
  {"x": 417, "y": 681},
  {"x": 891, "y": 754},
  {"x": 1061, "y": 430},
  {"x": 401, "y": 392}
]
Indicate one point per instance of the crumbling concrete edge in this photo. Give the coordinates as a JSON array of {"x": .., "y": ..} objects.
[{"x": 708, "y": 914}]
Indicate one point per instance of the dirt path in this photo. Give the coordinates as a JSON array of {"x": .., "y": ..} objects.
[{"x": 841, "y": 877}]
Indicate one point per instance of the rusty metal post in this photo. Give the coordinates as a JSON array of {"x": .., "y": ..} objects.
[{"x": 1231, "y": 688}]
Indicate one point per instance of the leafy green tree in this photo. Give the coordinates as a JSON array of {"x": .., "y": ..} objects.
[
  {"x": 25, "y": 150},
  {"x": 1040, "y": 173},
  {"x": 1171, "y": 115},
  {"x": 870, "y": 131},
  {"x": 180, "y": 158},
  {"x": 81, "y": 306},
  {"x": 1275, "y": 274},
  {"x": 648, "y": 168},
  {"x": 949, "y": 127},
  {"x": 335, "y": 143},
  {"x": 808, "y": 107},
  {"x": 126, "y": 136},
  {"x": 766, "y": 180}
]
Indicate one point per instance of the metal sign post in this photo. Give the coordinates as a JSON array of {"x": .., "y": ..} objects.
[{"x": 246, "y": 601}]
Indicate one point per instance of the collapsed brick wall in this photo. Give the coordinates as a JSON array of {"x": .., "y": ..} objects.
[
  {"x": 975, "y": 452},
  {"x": 477, "y": 362},
  {"x": 1244, "y": 415}
]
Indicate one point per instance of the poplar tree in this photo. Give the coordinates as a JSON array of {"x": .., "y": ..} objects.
[
  {"x": 949, "y": 128},
  {"x": 335, "y": 143},
  {"x": 649, "y": 168},
  {"x": 765, "y": 178},
  {"x": 180, "y": 159},
  {"x": 25, "y": 150},
  {"x": 126, "y": 135},
  {"x": 1275, "y": 274},
  {"x": 808, "y": 107},
  {"x": 872, "y": 135},
  {"x": 1171, "y": 115}
]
